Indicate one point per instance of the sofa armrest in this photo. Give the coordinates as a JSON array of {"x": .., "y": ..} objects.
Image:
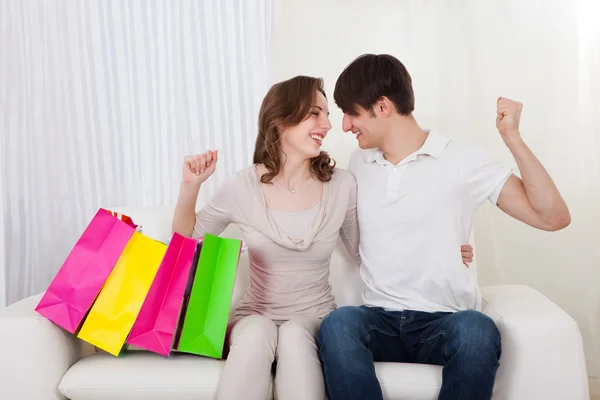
[
  {"x": 542, "y": 349},
  {"x": 34, "y": 353}
]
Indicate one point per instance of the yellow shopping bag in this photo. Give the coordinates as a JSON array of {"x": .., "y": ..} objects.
[{"x": 113, "y": 314}]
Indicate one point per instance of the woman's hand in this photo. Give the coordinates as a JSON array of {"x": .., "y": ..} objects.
[{"x": 198, "y": 168}]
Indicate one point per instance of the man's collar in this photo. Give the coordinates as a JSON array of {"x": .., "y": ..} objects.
[{"x": 434, "y": 145}]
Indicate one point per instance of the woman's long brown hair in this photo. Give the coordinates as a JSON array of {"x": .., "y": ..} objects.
[{"x": 287, "y": 104}]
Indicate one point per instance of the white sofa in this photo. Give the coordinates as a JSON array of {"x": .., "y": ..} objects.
[{"x": 542, "y": 356}]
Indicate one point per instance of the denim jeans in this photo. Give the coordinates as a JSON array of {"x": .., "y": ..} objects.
[{"x": 466, "y": 343}]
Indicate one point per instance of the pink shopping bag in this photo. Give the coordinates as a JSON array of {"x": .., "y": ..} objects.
[
  {"x": 81, "y": 277},
  {"x": 156, "y": 324}
]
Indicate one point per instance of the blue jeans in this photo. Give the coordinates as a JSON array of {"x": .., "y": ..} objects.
[{"x": 465, "y": 343}]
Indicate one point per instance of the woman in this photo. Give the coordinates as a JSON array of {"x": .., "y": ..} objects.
[{"x": 291, "y": 206}]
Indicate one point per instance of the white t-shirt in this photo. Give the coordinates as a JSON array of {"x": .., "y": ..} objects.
[{"x": 414, "y": 217}]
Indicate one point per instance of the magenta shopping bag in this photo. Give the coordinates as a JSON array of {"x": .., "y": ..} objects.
[
  {"x": 81, "y": 277},
  {"x": 156, "y": 324}
]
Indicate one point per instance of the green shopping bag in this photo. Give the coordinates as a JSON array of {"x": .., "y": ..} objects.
[{"x": 207, "y": 313}]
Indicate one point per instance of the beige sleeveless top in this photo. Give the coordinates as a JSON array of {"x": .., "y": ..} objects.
[{"x": 289, "y": 253}]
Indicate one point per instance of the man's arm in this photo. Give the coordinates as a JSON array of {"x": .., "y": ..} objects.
[{"x": 534, "y": 199}]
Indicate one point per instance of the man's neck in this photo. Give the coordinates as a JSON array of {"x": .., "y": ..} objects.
[{"x": 404, "y": 138}]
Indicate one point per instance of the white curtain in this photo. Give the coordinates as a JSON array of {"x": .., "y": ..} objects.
[
  {"x": 462, "y": 55},
  {"x": 100, "y": 102}
]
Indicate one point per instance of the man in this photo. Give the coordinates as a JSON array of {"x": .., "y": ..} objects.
[{"x": 418, "y": 192}]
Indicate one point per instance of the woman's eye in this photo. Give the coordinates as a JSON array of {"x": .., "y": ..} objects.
[{"x": 315, "y": 113}]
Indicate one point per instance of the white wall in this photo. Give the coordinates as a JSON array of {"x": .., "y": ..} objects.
[
  {"x": 461, "y": 59},
  {"x": 99, "y": 103},
  {"x": 3, "y": 257}
]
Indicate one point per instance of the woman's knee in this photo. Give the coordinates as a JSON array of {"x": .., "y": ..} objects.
[
  {"x": 298, "y": 337},
  {"x": 298, "y": 374},
  {"x": 254, "y": 332},
  {"x": 299, "y": 329}
]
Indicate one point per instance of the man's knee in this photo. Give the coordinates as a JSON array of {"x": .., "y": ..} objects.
[
  {"x": 477, "y": 333},
  {"x": 341, "y": 322}
]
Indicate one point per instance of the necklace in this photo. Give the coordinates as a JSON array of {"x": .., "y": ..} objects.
[{"x": 293, "y": 190}]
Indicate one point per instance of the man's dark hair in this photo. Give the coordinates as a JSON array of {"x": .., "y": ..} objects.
[{"x": 370, "y": 77}]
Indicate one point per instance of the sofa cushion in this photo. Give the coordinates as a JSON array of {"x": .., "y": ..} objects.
[
  {"x": 142, "y": 375},
  {"x": 400, "y": 381}
]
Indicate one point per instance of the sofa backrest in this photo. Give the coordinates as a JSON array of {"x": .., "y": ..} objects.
[{"x": 344, "y": 275}]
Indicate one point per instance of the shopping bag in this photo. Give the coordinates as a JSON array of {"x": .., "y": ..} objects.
[
  {"x": 207, "y": 314},
  {"x": 82, "y": 275},
  {"x": 113, "y": 314},
  {"x": 186, "y": 295},
  {"x": 156, "y": 324}
]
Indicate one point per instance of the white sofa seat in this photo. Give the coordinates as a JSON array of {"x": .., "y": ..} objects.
[
  {"x": 542, "y": 355},
  {"x": 142, "y": 376}
]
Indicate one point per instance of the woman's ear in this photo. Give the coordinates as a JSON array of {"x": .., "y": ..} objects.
[{"x": 279, "y": 128}]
